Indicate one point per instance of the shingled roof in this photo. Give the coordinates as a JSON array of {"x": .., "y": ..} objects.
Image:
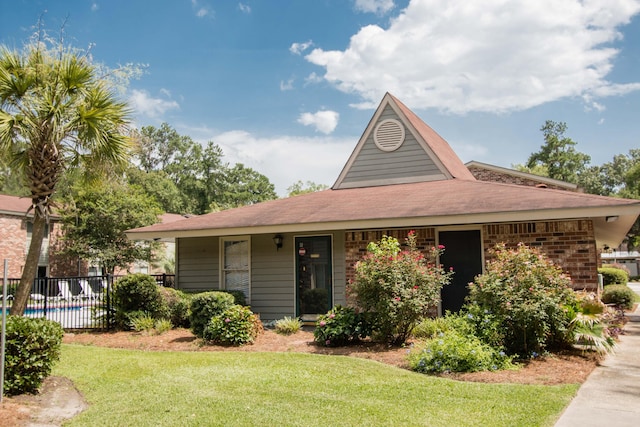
[{"x": 447, "y": 194}]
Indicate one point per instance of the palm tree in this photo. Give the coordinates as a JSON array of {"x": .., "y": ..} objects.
[{"x": 56, "y": 113}]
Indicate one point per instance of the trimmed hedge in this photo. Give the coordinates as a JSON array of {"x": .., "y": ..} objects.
[
  {"x": 32, "y": 347},
  {"x": 135, "y": 294},
  {"x": 206, "y": 305},
  {"x": 620, "y": 295},
  {"x": 613, "y": 276}
]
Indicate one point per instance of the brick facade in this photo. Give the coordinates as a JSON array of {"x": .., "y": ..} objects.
[
  {"x": 569, "y": 244},
  {"x": 482, "y": 174}
]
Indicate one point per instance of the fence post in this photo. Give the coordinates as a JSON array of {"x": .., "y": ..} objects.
[
  {"x": 108, "y": 291},
  {"x": 5, "y": 283},
  {"x": 46, "y": 295}
]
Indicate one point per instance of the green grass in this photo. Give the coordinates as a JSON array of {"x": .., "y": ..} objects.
[{"x": 136, "y": 388}]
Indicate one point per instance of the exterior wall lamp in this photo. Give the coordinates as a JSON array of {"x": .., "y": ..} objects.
[
  {"x": 612, "y": 218},
  {"x": 277, "y": 239}
]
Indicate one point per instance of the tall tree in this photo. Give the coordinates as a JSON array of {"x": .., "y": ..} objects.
[
  {"x": 56, "y": 111},
  {"x": 241, "y": 186},
  {"x": 300, "y": 187},
  {"x": 558, "y": 154},
  {"x": 96, "y": 217}
]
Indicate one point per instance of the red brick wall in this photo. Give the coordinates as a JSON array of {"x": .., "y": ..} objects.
[
  {"x": 13, "y": 244},
  {"x": 569, "y": 244},
  {"x": 482, "y": 174}
]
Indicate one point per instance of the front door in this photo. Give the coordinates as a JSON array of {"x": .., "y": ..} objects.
[
  {"x": 313, "y": 276},
  {"x": 462, "y": 252}
]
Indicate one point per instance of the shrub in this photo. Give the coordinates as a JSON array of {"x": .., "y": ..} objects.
[
  {"x": 236, "y": 325},
  {"x": 396, "y": 288},
  {"x": 456, "y": 352},
  {"x": 340, "y": 326},
  {"x": 179, "y": 306},
  {"x": 32, "y": 346},
  {"x": 142, "y": 323},
  {"x": 436, "y": 326},
  {"x": 238, "y": 297},
  {"x": 620, "y": 295},
  {"x": 526, "y": 294},
  {"x": 206, "y": 305},
  {"x": 613, "y": 276},
  {"x": 162, "y": 325},
  {"x": 288, "y": 325},
  {"x": 137, "y": 293}
]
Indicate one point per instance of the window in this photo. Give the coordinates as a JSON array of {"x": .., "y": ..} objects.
[{"x": 235, "y": 262}]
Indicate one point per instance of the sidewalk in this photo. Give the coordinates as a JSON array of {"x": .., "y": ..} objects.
[{"x": 611, "y": 394}]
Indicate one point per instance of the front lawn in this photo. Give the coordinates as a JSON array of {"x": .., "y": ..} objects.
[{"x": 144, "y": 388}]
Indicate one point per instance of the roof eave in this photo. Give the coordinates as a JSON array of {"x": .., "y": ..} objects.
[{"x": 606, "y": 232}]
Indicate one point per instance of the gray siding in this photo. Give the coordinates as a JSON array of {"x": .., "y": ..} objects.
[
  {"x": 408, "y": 161},
  {"x": 197, "y": 263},
  {"x": 272, "y": 272}
]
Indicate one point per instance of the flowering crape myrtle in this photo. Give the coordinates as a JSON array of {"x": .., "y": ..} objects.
[{"x": 396, "y": 288}]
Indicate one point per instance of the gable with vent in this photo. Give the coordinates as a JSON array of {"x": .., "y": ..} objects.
[{"x": 393, "y": 150}]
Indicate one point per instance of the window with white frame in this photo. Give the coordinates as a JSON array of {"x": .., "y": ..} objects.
[{"x": 235, "y": 262}]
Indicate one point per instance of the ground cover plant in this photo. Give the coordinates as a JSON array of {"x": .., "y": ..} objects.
[{"x": 146, "y": 388}]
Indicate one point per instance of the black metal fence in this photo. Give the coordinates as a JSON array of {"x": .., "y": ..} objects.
[{"x": 75, "y": 302}]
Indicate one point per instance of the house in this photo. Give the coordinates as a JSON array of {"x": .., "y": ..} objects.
[
  {"x": 295, "y": 256},
  {"x": 628, "y": 259},
  {"x": 16, "y": 223}
]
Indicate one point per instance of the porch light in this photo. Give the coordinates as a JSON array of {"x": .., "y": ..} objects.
[
  {"x": 612, "y": 218},
  {"x": 277, "y": 239}
]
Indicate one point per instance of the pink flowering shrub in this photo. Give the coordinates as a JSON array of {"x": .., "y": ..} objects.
[
  {"x": 395, "y": 288},
  {"x": 528, "y": 296},
  {"x": 236, "y": 325},
  {"x": 340, "y": 326}
]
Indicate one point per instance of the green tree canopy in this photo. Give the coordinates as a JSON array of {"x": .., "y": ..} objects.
[
  {"x": 96, "y": 217},
  {"x": 56, "y": 112},
  {"x": 558, "y": 154},
  {"x": 300, "y": 187}
]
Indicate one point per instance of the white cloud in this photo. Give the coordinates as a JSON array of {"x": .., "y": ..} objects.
[
  {"x": 298, "y": 48},
  {"x": 94, "y": 7},
  {"x": 379, "y": 7},
  {"x": 201, "y": 10},
  {"x": 318, "y": 159},
  {"x": 244, "y": 8},
  {"x": 324, "y": 121},
  {"x": 145, "y": 105},
  {"x": 491, "y": 56},
  {"x": 288, "y": 85}
]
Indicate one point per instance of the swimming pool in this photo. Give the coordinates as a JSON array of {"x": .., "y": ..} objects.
[{"x": 70, "y": 317}]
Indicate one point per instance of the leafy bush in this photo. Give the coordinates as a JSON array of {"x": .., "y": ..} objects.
[
  {"x": 178, "y": 304},
  {"x": 288, "y": 325},
  {"x": 137, "y": 293},
  {"x": 142, "y": 323},
  {"x": 526, "y": 295},
  {"x": 238, "y": 297},
  {"x": 206, "y": 305},
  {"x": 613, "y": 276},
  {"x": 340, "y": 326},
  {"x": 162, "y": 325},
  {"x": 396, "y": 288},
  {"x": 32, "y": 346},
  {"x": 236, "y": 325},
  {"x": 433, "y": 327},
  {"x": 620, "y": 295},
  {"x": 456, "y": 352}
]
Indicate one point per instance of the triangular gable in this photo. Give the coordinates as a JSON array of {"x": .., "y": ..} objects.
[{"x": 399, "y": 148}]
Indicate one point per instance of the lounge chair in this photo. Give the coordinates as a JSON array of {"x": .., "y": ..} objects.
[
  {"x": 87, "y": 291},
  {"x": 65, "y": 291}
]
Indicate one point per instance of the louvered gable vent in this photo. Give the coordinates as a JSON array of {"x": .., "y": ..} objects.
[{"x": 389, "y": 135}]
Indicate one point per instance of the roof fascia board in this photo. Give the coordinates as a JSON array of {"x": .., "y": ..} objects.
[
  {"x": 383, "y": 182},
  {"x": 631, "y": 211}
]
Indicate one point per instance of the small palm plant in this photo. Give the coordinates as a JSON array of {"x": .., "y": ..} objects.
[{"x": 589, "y": 327}]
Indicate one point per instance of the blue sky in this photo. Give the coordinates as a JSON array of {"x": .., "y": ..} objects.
[{"x": 288, "y": 86}]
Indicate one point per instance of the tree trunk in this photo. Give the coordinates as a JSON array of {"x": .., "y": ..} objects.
[{"x": 30, "y": 266}]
